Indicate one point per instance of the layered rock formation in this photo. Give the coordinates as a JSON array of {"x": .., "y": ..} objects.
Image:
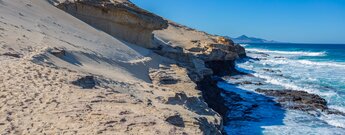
[
  {"x": 90, "y": 79},
  {"x": 203, "y": 55},
  {"x": 190, "y": 47},
  {"x": 205, "y": 46},
  {"x": 202, "y": 52},
  {"x": 120, "y": 19},
  {"x": 176, "y": 79},
  {"x": 124, "y": 20}
]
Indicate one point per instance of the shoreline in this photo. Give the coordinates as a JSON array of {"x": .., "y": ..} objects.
[
  {"x": 274, "y": 81},
  {"x": 110, "y": 67}
]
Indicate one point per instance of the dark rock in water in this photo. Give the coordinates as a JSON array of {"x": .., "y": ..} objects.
[
  {"x": 12, "y": 54},
  {"x": 263, "y": 59},
  {"x": 58, "y": 52},
  {"x": 259, "y": 83},
  {"x": 87, "y": 82},
  {"x": 249, "y": 75},
  {"x": 249, "y": 82},
  {"x": 251, "y": 58},
  {"x": 265, "y": 55},
  {"x": 175, "y": 120},
  {"x": 279, "y": 57},
  {"x": 269, "y": 70},
  {"x": 272, "y": 71},
  {"x": 281, "y": 75},
  {"x": 260, "y": 53},
  {"x": 297, "y": 100},
  {"x": 336, "y": 112},
  {"x": 244, "y": 82}
]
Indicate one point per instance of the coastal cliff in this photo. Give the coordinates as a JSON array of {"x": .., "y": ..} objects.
[
  {"x": 108, "y": 67},
  {"x": 202, "y": 55}
]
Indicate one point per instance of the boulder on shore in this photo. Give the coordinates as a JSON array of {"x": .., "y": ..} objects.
[{"x": 300, "y": 100}]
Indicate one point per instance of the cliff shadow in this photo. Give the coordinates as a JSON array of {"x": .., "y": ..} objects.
[
  {"x": 194, "y": 104},
  {"x": 248, "y": 111}
]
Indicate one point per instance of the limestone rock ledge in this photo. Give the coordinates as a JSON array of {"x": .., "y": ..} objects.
[
  {"x": 198, "y": 51},
  {"x": 120, "y": 19}
]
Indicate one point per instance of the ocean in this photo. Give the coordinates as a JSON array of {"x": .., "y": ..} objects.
[{"x": 314, "y": 68}]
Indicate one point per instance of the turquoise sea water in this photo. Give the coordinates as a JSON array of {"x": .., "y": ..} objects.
[{"x": 315, "y": 68}]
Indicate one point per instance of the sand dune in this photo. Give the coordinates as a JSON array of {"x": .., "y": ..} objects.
[{"x": 37, "y": 95}]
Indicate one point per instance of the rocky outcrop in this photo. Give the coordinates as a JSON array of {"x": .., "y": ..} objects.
[
  {"x": 300, "y": 100},
  {"x": 202, "y": 53},
  {"x": 215, "y": 58},
  {"x": 196, "y": 66},
  {"x": 222, "y": 50},
  {"x": 187, "y": 94},
  {"x": 120, "y": 19},
  {"x": 203, "y": 45},
  {"x": 204, "y": 58}
]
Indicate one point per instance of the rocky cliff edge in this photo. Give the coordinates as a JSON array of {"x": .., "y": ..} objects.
[
  {"x": 123, "y": 71},
  {"x": 202, "y": 55}
]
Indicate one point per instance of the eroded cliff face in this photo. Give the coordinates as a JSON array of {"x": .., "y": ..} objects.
[
  {"x": 120, "y": 19},
  {"x": 203, "y": 120},
  {"x": 204, "y": 54},
  {"x": 206, "y": 46},
  {"x": 198, "y": 56}
]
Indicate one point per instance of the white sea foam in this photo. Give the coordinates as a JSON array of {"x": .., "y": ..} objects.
[
  {"x": 332, "y": 64},
  {"x": 276, "y": 81},
  {"x": 309, "y": 125},
  {"x": 304, "y": 63},
  {"x": 290, "y": 85},
  {"x": 299, "y": 53},
  {"x": 305, "y": 75},
  {"x": 339, "y": 108},
  {"x": 334, "y": 120},
  {"x": 244, "y": 45}
]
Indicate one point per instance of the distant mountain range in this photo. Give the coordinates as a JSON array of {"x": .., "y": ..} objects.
[{"x": 246, "y": 39}]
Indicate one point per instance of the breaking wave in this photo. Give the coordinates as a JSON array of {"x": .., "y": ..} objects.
[
  {"x": 299, "y": 53},
  {"x": 305, "y": 63}
]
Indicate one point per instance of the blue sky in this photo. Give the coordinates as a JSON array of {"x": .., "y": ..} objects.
[{"x": 299, "y": 21}]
